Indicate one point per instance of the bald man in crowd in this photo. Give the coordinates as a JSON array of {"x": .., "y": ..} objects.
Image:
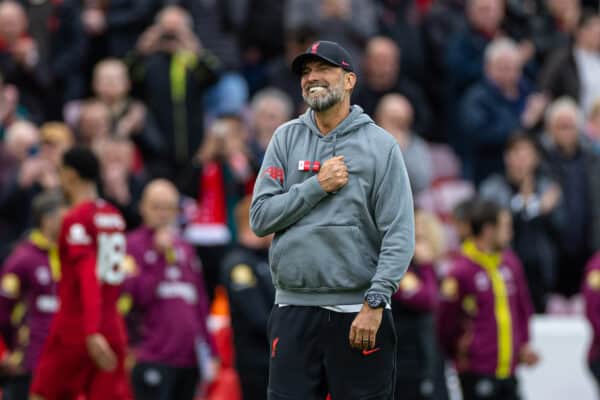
[
  {"x": 166, "y": 291},
  {"x": 395, "y": 113}
]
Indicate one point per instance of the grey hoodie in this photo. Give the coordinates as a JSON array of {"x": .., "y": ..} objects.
[{"x": 333, "y": 249}]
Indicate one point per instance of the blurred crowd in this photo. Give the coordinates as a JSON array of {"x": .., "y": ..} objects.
[{"x": 490, "y": 98}]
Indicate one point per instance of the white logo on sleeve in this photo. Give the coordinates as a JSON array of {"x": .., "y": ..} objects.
[{"x": 78, "y": 235}]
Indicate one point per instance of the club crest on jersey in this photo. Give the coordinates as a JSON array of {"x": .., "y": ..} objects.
[
  {"x": 78, "y": 235},
  {"x": 305, "y": 165},
  {"x": 275, "y": 173}
]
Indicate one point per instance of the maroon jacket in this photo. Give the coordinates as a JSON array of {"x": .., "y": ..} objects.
[
  {"x": 484, "y": 315},
  {"x": 171, "y": 299},
  {"x": 27, "y": 280},
  {"x": 418, "y": 292},
  {"x": 591, "y": 294}
]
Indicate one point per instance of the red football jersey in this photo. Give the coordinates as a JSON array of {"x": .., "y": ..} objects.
[{"x": 92, "y": 247}]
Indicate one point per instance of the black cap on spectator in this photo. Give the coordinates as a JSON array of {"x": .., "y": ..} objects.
[{"x": 329, "y": 52}]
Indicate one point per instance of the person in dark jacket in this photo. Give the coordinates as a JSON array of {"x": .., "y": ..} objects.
[
  {"x": 413, "y": 306},
  {"x": 382, "y": 76},
  {"x": 28, "y": 290},
  {"x": 573, "y": 70},
  {"x": 251, "y": 295},
  {"x": 20, "y": 61},
  {"x": 576, "y": 169},
  {"x": 171, "y": 71},
  {"x": 494, "y": 108},
  {"x": 167, "y": 292},
  {"x": 535, "y": 202}
]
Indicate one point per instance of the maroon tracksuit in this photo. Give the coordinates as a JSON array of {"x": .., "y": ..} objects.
[{"x": 484, "y": 314}]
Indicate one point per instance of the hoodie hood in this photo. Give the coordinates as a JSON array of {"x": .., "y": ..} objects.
[{"x": 350, "y": 124}]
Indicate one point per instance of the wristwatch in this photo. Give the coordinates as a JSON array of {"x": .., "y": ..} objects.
[{"x": 375, "y": 300}]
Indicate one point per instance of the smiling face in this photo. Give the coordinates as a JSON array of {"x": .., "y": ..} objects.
[{"x": 325, "y": 85}]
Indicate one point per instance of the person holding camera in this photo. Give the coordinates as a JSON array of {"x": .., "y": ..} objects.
[{"x": 171, "y": 69}]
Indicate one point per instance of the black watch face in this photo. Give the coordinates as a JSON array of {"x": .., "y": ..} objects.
[{"x": 374, "y": 301}]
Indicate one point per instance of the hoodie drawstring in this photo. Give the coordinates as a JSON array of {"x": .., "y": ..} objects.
[{"x": 335, "y": 144}]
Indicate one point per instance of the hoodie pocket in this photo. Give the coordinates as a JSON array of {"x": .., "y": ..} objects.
[{"x": 321, "y": 258}]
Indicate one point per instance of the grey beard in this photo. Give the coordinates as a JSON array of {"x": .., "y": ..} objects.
[{"x": 325, "y": 102}]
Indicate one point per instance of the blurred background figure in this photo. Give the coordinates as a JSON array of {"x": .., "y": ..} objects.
[
  {"x": 348, "y": 22},
  {"x": 130, "y": 119},
  {"x": 538, "y": 215},
  {"x": 32, "y": 167},
  {"x": 121, "y": 186},
  {"x": 279, "y": 73},
  {"x": 28, "y": 299},
  {"x": 591, "y": 294},
  {"x": 221, "y": 173},
  {"x": 394, "y": 113},
  {"x": 94, "y": 123},
  {"x": 247, "y": 278},
  {"x": 495, "y": 107},
  {"x": 413, "y": 307},
  {"x": 167, "y": 291},
  {"x": 382, "y": 75},
  {"x": 20, "y": 61},
  {"x": 485, "y": 309},
  {"x": 576, "y": 169},
  {"x": 171, "y": 71},
  {"x": 573, "y": 70},
  {"x": 592, "y": 128},
  {"x": 270, "y": 108}
]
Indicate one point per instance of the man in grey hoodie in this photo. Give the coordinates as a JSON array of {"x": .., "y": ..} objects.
[{"x": 333, "y": 188}]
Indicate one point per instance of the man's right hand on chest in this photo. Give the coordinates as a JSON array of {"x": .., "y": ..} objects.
[{"x": 333, "y": 174}]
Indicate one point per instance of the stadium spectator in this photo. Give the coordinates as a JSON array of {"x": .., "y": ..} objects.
[
  {"x": 554, "y": 26},
  {"x": 442, "y": 21},
  {"x": 577, "y": 170},
  {"x": 394, "y": 113},
  {"x": 278, "y": 72},
  {"x": 258, "y": 25},
  {"x": 93, "y": 123},
  {"x": 334, "y": 282},
  {"x": 485, "y": 309},
  {"x": 270, "y": 108},
  {"x": 10, "y": 107},
  {"x": 413, "y": 307},
  {"x": 495, "y": 107},
  {"x": 464, "y": 57},
  {"x": 230, "y": 94},
  {"x": 20, "y": 62},
  {"x": 29, "y": 277},
  {"x": 591, "y": 294},
  {"x": 87, "y": 341},
  {"x": 130, "y": 119},
  {"x": 573, "y": 70},
  {"x": 221, "y": 173},
  {"x": 56, "y": 28},
  {"x": 538, "y": 215},
  {"x": 251, "y": 294},
  {"x": 400, "y": 21},
  {"x": 32, "y": 172},
  {"x": 592, "y": 128},
  {"x": 382, "y": 76},
  {"x": 168, "y": 291},
  {"x": 348, "y": 22},
  {"x": 120, "y": 185},
  {"x": 172, "y": 71},
  {"x": 111, "y": 28}
]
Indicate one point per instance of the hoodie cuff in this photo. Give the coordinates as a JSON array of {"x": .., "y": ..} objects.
[
  {"x": 312, "y": 191},
  {"x": 377, "y": 289}
]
